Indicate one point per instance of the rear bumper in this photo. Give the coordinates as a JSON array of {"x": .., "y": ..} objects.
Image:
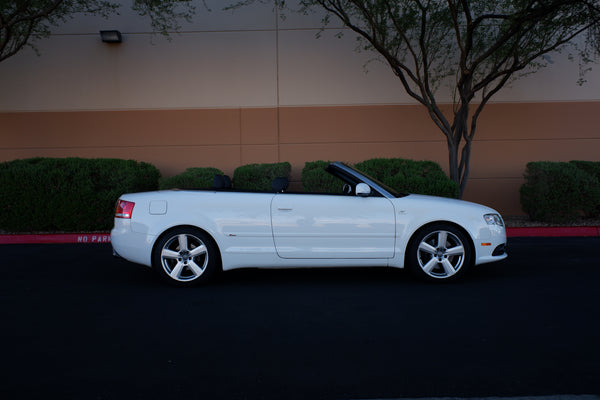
[{"x": 132, "y": 246}]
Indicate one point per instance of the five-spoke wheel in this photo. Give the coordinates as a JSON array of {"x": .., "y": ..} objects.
[
  {"x": 439, "y": 252},
  {"x": 185, "y": 256}
]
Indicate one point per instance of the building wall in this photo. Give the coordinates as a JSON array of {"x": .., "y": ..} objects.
[
  {"x": 226, "y": 138},
  {"x": 251, "y": 87}
]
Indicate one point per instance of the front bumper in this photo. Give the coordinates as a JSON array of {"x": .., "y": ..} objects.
[{"x": 490, "y": 246}]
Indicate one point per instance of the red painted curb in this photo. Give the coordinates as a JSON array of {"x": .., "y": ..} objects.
[
  {"x": 56, "y": 238},
  {"x": 104, "y": 237},
  {"x": 554, "y": 231}
]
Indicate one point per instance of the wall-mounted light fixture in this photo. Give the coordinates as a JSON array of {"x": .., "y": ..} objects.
[{"x": 113, "y": 36}]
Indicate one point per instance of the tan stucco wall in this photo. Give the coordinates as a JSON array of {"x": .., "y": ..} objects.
[
  {"x": 248, "y": 58},
  {"x": 509, "y": 136},
  {"x": 248, "y": 86}
]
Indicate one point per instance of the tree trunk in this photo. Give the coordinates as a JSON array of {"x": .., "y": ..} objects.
[
  {"x": 454, "y": 164},
  {"x": 459, "y": 160},
  {"x": 465, "y": 168}
]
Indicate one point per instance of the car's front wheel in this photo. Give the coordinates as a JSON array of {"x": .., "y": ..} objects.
[
  {"x": 439, "y": 252},
  {"x": 185, "y": 257}
]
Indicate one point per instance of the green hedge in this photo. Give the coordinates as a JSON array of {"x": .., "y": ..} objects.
[
  {"x": 75, "y": 194},
  {"x": 409, "y": 176},
  {"x": 192, "y": 178},
  {"x": 559, "y": 192},
  {"x": 67, "y": 194},
  {"x": 316, "y": 180},
  {"x": 260, "y": 176},
  {"x": 592, "y": 168}
]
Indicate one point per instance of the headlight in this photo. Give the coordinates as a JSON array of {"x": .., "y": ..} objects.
[{"x": 493, "y": 219}]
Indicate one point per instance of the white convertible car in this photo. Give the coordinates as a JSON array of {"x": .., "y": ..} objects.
[{"x": 188, "y": 235}]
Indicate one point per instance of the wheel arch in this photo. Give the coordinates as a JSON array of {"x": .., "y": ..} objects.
[{"x": 208, "y": 235}]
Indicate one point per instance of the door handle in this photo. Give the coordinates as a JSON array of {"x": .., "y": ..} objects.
[{"x": 284, "y": 209}]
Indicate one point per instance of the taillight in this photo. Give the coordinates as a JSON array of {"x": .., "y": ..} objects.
[{"x": 124, "y": 209}]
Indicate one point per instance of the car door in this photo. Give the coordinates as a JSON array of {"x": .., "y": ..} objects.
[{"x": 332, "y": 226}]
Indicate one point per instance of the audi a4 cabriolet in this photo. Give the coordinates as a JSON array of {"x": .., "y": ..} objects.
[{"x": 188, "y": 235}]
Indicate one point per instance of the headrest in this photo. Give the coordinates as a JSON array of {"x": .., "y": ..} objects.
[
  {"x": 280, "y": 184},
  {"x": 221, "y": 182}
]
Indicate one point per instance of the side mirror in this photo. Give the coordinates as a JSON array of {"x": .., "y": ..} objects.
[{"x": 363, "y": 190}]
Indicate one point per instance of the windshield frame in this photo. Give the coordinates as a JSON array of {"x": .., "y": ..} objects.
[{"x": 376, "y": 185}]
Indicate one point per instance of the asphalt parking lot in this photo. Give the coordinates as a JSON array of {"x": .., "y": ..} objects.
[{"x": 77, "y": 323}]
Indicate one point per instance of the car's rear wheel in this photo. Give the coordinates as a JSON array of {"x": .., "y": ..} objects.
[
  {"x": 185, "y": 257},
  {"x": 439, "y": 252}
]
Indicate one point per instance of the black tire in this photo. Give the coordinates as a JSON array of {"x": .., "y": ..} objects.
[
  {"x": 439, "y": 253},
  {"x": 185, "y": 256}
]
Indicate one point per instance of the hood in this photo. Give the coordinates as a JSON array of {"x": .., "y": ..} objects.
[{"x": 434, "y": 201}]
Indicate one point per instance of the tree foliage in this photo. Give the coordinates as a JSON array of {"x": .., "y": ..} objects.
[
  {"x": 473, "y": 46},
  {"x": 23, "y": 22}
]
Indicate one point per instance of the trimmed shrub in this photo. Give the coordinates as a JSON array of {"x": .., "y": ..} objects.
[
  {"x": 558, "y": 192},
  {"x": 68, "y": 194},
  {"x": 408, "y": 176},
  {"x": 260, "y": 176},
  {"x": 592, "y": 168},
  {"x": 191, "y": 178},
  {"x": 316, "y": 180}
]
